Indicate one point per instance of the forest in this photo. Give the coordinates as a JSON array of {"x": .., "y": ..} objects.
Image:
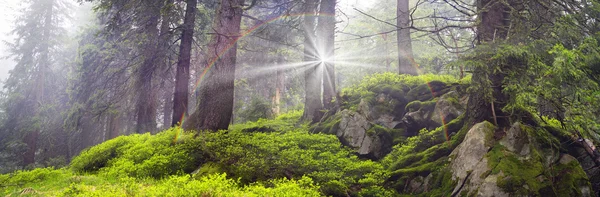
[{"x": 301, "y": 98}]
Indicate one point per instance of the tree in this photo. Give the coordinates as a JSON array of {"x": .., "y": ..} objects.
[
  {"x": 326, "y": 37},
  {"x": 312, "y": 77},
  {"x": 146, "y": 100},
  {"x": 406, "y": 63},
  {"x": 214, "y": 110},
  {"x": 30, "y": 106},
  {"x": 182, "y": 78},
  {"x": 487, "y": 102}
]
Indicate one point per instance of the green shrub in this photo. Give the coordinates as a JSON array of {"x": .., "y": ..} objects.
[
  {"x": 252, "y": 157},
  {"x": 166, "y": 153}
]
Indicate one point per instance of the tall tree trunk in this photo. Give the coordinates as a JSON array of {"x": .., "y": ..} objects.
[
  {"x": 279, "y": 87},
  {"x": 31, "y": 138},
  {"x": 312, "y": 77},
  {"x": 113, "y": 126},
  {"x": 386, "y": 61},
  {"x": 182, "y": 78},
  {"x": 145, "y": 105},
  {"x": 326, "y": 28},
  {"x": 406, "y": 63},
  {"x": 168, "y": 96},
  {"x": 493, "y": 26},
  {"x": 215, "y": 107}
]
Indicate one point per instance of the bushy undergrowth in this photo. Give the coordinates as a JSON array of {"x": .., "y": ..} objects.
[
  {"x": 142, "y": 155},
  {"x": 393, "y": 80},
  {"x": 291, "y": 153},
  {"x": 263, "y": 158},
  {"x": 64, "y": 182}
]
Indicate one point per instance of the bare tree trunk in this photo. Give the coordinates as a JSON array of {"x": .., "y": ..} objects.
[
  {"x": 406, "y": 64},
  {"x": 386, "y": 61},
  {"x": 31, "y": 138},
  {"x": 145, "y": 105},
  {"x": 312, "y": 78},
  {"x": 182, "y": 78},
  {"x": 31, "y": 141},
  {"x": 326, "y": 28},
  {"x": 279, "y": 87},
  {"x": 168, "y": 95},
  {"x": 215, "y": 107}
]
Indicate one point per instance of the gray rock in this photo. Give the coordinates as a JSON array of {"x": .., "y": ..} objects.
[
  {"x": 416, "y": 185},
  {"x": 490, "y": 188},
  {"x": 447, "y": 108},
  {"x": 566, "y": 159},
  {"x": 387, "y": 121},
  {"x": 470, "y": 162},
  {"x": 353, "y": 133},
  {"x": 516, "y": 140},
  {"x": 353, "y": 128}
]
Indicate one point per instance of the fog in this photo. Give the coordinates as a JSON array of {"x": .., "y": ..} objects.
[{"x": 8, "y": 10}]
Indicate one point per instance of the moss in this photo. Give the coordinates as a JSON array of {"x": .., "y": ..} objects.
[
  {"x": 421, "y": 92},
  {"x": 442, "y": 183},
  {"x": 417, "y": 105},
  {"x": 569, "y": 178},
  {"x": 517, "y": 173},
  {"x": 413, "y": 106},
  {"x": 428, "y": 147},
  {"x": 208, "y": 168},
  {"x": 329, "y": 126}
]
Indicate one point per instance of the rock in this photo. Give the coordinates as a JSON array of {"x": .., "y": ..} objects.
[
  {"x": 387, "y": 121},
  {"x": 470, "y": 162},
  {"x": 516, "y": 140},
  {"x": 447, "y": 108},
  {"x": 566, "y": 158},
  {"x": 489, "y": 187},
  {"x": 416, "y": 185},
  {"x": 357, "y": 132},
  {"x": 427, "y": 91},
  {"x": 426, "y": 183},
  {"x": 419, "y": 184},
  {"x": 353, "y": 128},
  {"x": 585, "y": 191},
  {"x": 414, "y": 121},
  {"x": 363, "y": 108}
]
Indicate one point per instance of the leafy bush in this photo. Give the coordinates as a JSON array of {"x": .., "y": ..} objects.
[
  {"x": 167, "y": 153},
  {"x": 397, "y": 81},
  {"x": 62, "y": 182},
  {"x": 293, "y": 154}
]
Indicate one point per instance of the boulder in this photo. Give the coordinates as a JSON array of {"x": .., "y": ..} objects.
[
  {"x": 419, "y": 116},
  {"x": 357, "y": 132},
  {"x": 447, "y": 108},
  {"x": 522, "y": 163},
  {"x": 516, "y": 140},
  {"x": 469, "y": 163}
]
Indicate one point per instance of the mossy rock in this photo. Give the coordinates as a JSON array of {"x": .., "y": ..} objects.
[
  {"x": 427, "y": 91},
  {"x": 329, "y": 126}
]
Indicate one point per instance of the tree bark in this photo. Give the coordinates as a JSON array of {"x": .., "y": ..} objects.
[
  {"x": 215, "y": 108},
  {"x": 279, "y": 88},
  {"x": 31, "y": 141},
  {"x": 167, "y": 111},
  {"x": 145, "y": 104},
  {"x": 326, "y": 28},
  {"x": 31, "y": 138},
  {"x": 182, "y": 78},
  {"x": 493, "y": 19},
  {"x": 312, "y": 77},
  {"x": 406, "y": 63}
]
